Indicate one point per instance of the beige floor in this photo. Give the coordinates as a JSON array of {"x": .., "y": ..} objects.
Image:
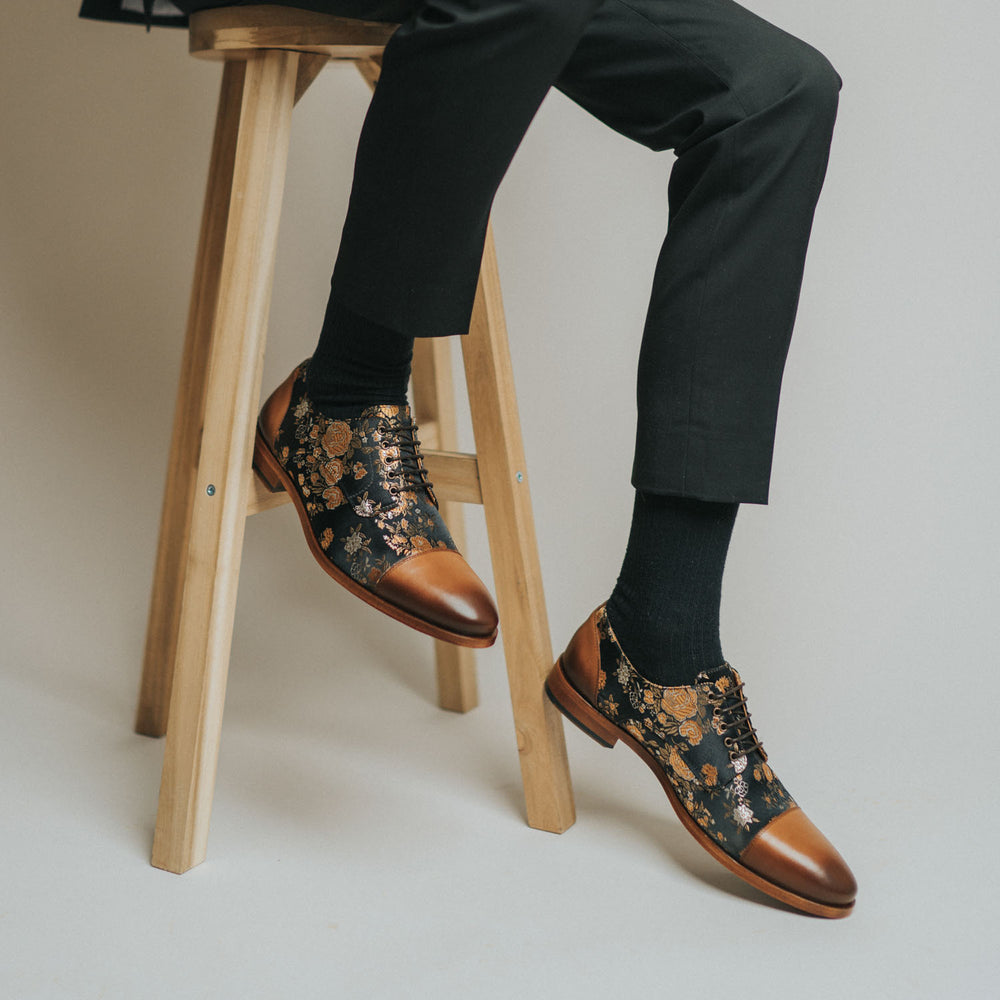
[{"x": 364, "y": 844}]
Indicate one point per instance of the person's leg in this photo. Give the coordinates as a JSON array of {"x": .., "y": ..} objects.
[
  {"x": 460, "y": 82},
  {"x": 357, "y": 362},
  {"x": 749, "y": 111},
  {"x": 665, "y": 605}
]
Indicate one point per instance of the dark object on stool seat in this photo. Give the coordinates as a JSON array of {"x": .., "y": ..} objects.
[{"x": 160, "y": 13}]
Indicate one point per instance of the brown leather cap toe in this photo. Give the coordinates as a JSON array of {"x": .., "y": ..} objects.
[
  {"x": 441, "y": 588},
  {"x": 791, "y": 852}
]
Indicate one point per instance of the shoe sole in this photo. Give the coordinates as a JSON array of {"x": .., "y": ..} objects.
[
  {"x": 274, "y": 475},
  {"x": 584, "y": 716}
]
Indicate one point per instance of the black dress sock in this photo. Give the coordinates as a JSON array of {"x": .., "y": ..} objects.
[
  {"x": 357, "y": 363},
  {"x": 665, "y": 606}
]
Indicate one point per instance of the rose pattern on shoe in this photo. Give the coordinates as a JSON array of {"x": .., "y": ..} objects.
[
  {"x": 702, "y": 737},
  {"x": 363, "y": 484}
]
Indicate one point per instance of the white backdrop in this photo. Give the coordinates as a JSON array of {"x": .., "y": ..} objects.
[{"x": 860, "y": 604}]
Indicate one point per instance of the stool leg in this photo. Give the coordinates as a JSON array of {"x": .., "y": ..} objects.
[
  {"x": 178, "y": 495},
  {"x": 310, "y": 66},
  {"x": 434, "y": 405},
  {"x": 514, "y": 551},
  {"x": 221, "y": 482}
]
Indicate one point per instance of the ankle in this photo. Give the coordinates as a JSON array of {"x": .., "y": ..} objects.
[
  {"x": 664, "y": 652},
  {"x": 665, "y": 605},
  {"x": 357, "y": 363}
]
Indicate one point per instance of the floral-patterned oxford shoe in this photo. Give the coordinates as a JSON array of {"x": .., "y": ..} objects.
[
  {"x": 701, "y": 744},
  {"x": 369, "y": 514}
]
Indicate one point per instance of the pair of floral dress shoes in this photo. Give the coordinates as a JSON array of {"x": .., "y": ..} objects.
[{"x": 371, "y": 520}]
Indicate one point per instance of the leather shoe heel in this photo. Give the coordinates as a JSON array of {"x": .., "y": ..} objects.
[
  {"x": 567, "y": 699},
  {"x": 265, "y": 466}
]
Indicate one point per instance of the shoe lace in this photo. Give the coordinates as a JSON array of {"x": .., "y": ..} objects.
[
  {"x": 409, "y": 466},
  {"x": 732, "y": 721}
]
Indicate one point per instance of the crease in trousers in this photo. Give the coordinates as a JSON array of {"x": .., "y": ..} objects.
[{"x": 748, "y": 110}]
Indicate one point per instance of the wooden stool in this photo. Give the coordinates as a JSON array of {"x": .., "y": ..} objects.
[{"x": 272, "y": 54}]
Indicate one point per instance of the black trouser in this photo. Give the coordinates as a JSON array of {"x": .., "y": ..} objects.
[{"x": 747, "y": 108}]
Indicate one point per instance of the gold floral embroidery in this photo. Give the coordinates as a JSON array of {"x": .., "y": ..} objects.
[
  {"x": 691, "y": 731},
  {"x": 679, "y": 767},
  {"x": 679, "y": 702},
  {"x": 763, "y": 772},
  {"x": 368, "y": 503},
  {"x": 333, "y": 471},
  {"x": 337, "y": 438},
  {"x": 684, "y": 731},
  {"x": 355, "y": 541},
  {"x": 334, "y": 496}
]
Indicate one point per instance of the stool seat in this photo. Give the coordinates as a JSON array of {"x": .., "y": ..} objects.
[
  {"x": 271, "y": 56},
  {"x": 236, "y": 32}
]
